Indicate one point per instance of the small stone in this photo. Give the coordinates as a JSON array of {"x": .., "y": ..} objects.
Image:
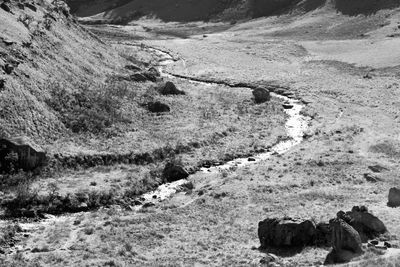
[
  {"x": 251, "y": 159},
  {"x": 394, "y": 197},
  {"x": 158, "y": 107},
  {"x": 169, "y": 88},
  {"x": 148, "y": 204},
  {"x": 387, "y": 244},
  {"x": 8, "y": 68},
  {"x": 287, "y": 106},
  {"x": 132, "y": 67},
  {"x": 372, "y": 178},
  {"x": 31, "y": 6},
  {"x": 377, "y": 168}
]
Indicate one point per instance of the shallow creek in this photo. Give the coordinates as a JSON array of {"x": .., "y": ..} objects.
[{"x": 296, "y": 126}]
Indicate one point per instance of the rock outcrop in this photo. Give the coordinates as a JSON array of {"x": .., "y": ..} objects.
[{"x": 286, "y": 232}]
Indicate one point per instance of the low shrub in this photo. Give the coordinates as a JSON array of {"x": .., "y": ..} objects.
[{"x": 87, "y": 109}]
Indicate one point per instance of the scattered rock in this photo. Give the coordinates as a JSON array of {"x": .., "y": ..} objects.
[
  {"x": 31, "y": 6},
  {"x": 286, "y": 232},
  {"x": 138, "y": 77},
  {"x": 150, "y": 76},
  {"x": 367, "y": 225},
  {"x": 8, "y": 68},
  {"x": 173, "y": 172},
  {"x": 137, "y": 202},
  {"x": 2, "y": 84},
  {"x": 153, "y": 71},
  {"x": 40, "y": 249},
  {"x": 5, "y": 7},
  {"x": 394, "y": 197},
  {"x": 372, "y": 178},
  {"x": 148, "y": 204},
  {"x": 346, "y": 242},
  {"x": 21, "y": 6},
  {"x": 8, "y": 42},
  {"x": 132, "y": 67},
  {"x": 261, "y": 95},
  {"x": 287, "y": 106},
  {"x": 251, "y": 159},
  {"x": 377, "y": 168},
  {"x": 170, "y": 89},
  {"x": 269, "y": 259},
  {"x": 158, "y": 107}
]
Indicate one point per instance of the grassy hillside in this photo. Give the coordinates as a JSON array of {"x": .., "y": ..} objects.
[{"x": 41, "y": 51}]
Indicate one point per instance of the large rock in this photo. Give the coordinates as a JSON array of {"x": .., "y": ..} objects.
[
  {"x": 170, "y": 89},
  {"x": 366, "y": 224},
  {"x": 174, "y": 172},
  {"x": 158, "y": 107},
  {"x": 286, "y": 232},
  {"x": 346, "y": 242},
  {"x": 261, "y": 95},
  {"x": 394, "y": 197}
]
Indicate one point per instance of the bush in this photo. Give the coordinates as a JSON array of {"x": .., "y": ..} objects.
[{"x": 87, "y": 109}]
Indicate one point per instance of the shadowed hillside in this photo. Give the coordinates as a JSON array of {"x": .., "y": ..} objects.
[{"x": 123, "y": 11}]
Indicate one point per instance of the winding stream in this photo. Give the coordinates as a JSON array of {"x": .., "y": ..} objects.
[{"x": 296, "y": 126}]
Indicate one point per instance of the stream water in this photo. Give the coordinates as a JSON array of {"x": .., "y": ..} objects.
[{"x": 296, "y": 125}]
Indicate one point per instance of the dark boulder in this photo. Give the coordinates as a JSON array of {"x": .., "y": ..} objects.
[
  {"x": 174, "y": 172},
  {"x": 150, "y": 76},
  {"x": 286, "y": 232},
  {"x": 142, "y": 77},
  {"x": 261, "y": 95},
  {"x": 158, "y": 107},
  {"x": 138, "y": 77},
  {"x": 287, "y": 106},
  {"x": 5, "y": 7},
  {"x": 31, "y": 6},
  {"x": 377, "y": 168},
  {"x": 132, "y": 67},
  {"x": 367, "y": 225},
  {"x": 394, "y": 197},
  {"x": 170, "y": 89},
  {"x": 373, "y": 178},
  {"x": 8, "y": 68},
  {"x": 346, "y": 242},
  {"x": 2, "y": 84}
]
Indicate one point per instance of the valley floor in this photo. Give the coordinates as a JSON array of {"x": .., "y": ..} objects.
[{"x": 352, "y": 91}]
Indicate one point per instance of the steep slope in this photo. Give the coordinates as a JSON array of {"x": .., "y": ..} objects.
[{"x": 42, "y": 48}]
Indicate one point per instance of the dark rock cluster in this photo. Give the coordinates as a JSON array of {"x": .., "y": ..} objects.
[{"x": 345, "y": 234}]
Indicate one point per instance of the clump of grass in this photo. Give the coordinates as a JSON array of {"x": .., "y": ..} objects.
[{"x": 88, "y": 109}]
